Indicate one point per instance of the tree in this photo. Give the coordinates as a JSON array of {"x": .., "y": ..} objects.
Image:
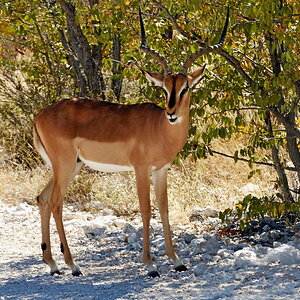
[
  {"x": 84, "y": 57},
  {"x": 252, "y": 87}
]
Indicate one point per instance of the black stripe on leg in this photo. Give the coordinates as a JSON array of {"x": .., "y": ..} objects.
[
  {"x": 44, "y": 246},
  {"x": 62, "y": 249}
]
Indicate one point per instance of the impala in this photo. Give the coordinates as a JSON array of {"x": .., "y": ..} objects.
[{"x": 109, "y": 137}]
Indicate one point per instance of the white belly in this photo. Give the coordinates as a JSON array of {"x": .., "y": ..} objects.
[{"x": 105, "y": 167}]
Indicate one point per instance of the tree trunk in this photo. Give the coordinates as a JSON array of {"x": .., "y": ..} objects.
[
  {"x": 292, "y": 145},
  {"x": 86, "y": 60},
  {"x": 283, "y": 181}
]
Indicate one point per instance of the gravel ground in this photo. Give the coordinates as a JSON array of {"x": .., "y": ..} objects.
[{"x": 107, "y": 248}]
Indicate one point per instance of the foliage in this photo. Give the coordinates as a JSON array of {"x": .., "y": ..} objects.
[
  {"x": 251, "y": 86},
  {"x": 251, "y": 208}
]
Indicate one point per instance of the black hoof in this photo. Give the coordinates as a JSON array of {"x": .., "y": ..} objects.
[
  {"x": 56, "y": 272},
  {"x": 181, "y": 268},
  {"x": 77, "y": 273},
  {"x": 153, "y": 274}
]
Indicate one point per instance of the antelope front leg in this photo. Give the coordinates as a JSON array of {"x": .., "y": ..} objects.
[
  {"x": 143, "y": 190},
  {"x": 160, "y": 188}
]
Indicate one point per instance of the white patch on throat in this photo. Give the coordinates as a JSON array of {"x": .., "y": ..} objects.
[{"x": 105, "y": 167}]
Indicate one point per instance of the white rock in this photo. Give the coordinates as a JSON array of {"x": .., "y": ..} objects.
[
  {"x": 128, "y": 228},
  {"x": 23, "y": 207},
  {"x": 132, "y": 238},
  {"x": 285, "y": 254},
  {"x": 71, "y": 224},
  {"x": 97, "y": 205},
  {"x": 158, "y": 243},
  {"x": 290, "y": 164},
  {"x": 107, "y": 212},
  {"x": 120, "y": 223},
  {"x": 276, "y": 244},
  {"x": 161, "y": 252},
  {"x": 68, "y": 217},
  {"x": 209, "y": 212},
  {"x": 245, "y": 253},
  {"x": 155, "y": 223},
  {"x": 275, "y": 234},
  {"x": 103, "y": 221},
  {"x": 135, "y": 246},
  {"x": 249, "y": 188},
  {"x": 139, "y": 232},
  {"x": 200, "y": 269},
  {"x": 209, "y": 246},
  {"x": 265, "y": 237},
  {"x": 246, "y": 257},
  {"x": 94, "y": 230},
  {"x": 225, "y": 253},
  {"x": 195, "y": 243},
  {"x": 122, "y": 237},
  {"x": 203, "y": 213},
  {"x": 216, "y": 258}
]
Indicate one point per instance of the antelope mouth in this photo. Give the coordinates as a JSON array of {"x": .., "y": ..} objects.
[{"x": 172, "y": 117}]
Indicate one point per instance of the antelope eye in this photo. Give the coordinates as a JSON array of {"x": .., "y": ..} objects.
[{"x": 184, "y": 91}]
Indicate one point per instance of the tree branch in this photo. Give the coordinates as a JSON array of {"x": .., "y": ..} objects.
[
  {"x": 248, "y": 160},
  {"x": 284, "y": 120},
  {"x": 254, "y": 62},
  {"x": 230, "y": 58},
  {"x": 173, "y": 20},
  {"x": 237, "y": 65}
]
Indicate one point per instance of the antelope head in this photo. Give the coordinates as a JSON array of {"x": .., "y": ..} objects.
[{"x": 177, "y": 86}]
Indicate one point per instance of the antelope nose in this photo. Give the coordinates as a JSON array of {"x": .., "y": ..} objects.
[{"x": 171, "y": 116}]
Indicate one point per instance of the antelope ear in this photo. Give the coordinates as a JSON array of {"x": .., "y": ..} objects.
[
  {"x": 155, "y": 78},
  {"x": 196, "y": 76}
]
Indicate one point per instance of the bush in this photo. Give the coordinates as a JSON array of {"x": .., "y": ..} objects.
[{"x": 251, "y": 208}]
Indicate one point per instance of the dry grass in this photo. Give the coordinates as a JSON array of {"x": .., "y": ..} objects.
[{"x": 217, "y": 182}]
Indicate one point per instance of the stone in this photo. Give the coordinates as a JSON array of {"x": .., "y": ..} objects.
[
  {"x": 224, "y": 253},
  {"x": 266, "y": 228},
  {"x": 249, "y": 188},
  {"x": 188, "y": 237},
  {"x": 200, "y": 214},
  {"x": 265, "y": 237},
  {"x": 275, "y": 234},
  {"x": 128, "y": 228},
  {"x": 120, "y": 223},
  {"x": 209, "y": 246},
  {"x": 297, "y": 227},
  {"x": 200, "y": 269},
  {"x": 159, "y": 243},
  {"x": 94, "y": 231},
  {"x": 132, "y": 238},
  {"x": 107, "y": 212},
  {"x": 276, "y": 244}
]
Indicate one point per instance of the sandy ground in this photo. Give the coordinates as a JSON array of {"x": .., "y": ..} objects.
[{"x": 112, "y": 270}]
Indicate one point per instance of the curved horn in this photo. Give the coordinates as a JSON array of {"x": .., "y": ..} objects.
[
  {"x": 206, "y": 50},
  {"x": 145, "y": 48}
]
